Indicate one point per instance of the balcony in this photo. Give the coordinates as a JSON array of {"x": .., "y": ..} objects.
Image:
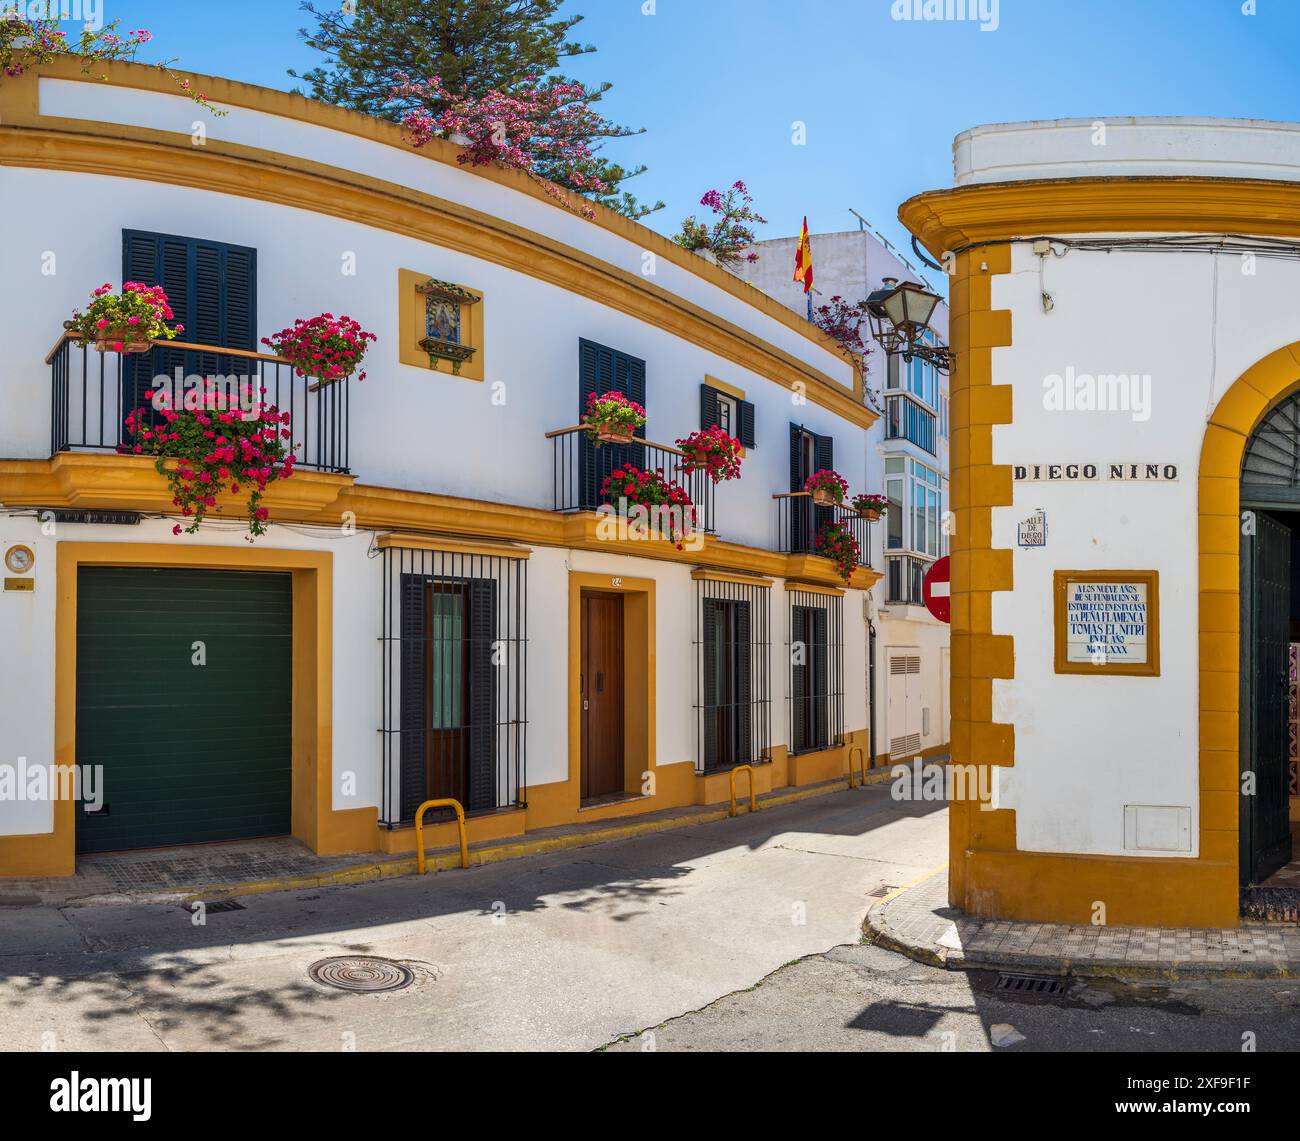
[
  {"x": 908, "y": 419},
  {"x": 798, "y": 520},
  {"x": 91, "y": 394},
  {"x": 580, "y": 470},
  {"x": 903, "y": 578}
]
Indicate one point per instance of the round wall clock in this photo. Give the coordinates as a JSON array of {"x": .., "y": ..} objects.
[{"x": 19, "y": 559}]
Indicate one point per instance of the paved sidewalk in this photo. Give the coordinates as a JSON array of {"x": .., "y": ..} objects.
[
  {"x": 249, "y": 867},
  {"x": 917, "y": 921}
]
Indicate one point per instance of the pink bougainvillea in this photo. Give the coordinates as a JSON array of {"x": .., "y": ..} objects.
[
  {"x": 731, "y": 237},
  {"x": 28, "y": 40},
  {"x": 542, "y": 129},
  {"x": 844, "y": 320}
]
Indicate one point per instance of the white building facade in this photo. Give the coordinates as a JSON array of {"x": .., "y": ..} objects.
[
  {"x": 438, "y": 609},
  {"x": 907, "y": 460},
  {"x": 1125, "y": 491}
]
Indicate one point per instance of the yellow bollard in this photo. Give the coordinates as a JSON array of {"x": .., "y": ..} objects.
[
  {"x": 863, "y": 754},
  {"x": 460, "y": 827},
  {"x": 753, "y": 798}
]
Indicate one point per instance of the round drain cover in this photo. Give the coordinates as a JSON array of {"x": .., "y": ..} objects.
[{"x": 361, "y": 973}]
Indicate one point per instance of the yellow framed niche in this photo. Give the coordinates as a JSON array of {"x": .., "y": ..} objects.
[{"x": 462, "y": 310}]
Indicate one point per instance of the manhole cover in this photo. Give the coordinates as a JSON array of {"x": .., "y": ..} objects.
[{"x": 363, "y": 973}]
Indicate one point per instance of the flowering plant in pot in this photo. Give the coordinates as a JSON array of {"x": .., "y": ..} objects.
[
  {"x": 828, "y": 488},
  {"x": 730, "y": 240},
  {"x": 214, "y": 448},
  {"x": 713, "y": 452},
  {"x": 126, "y": 322},
  {"x": 612, "y": 418},
  {"x": 324, "y": 348},
  {"x": 835, "y": 542},
  {"x": 646, "y": 497},
  {"x": 870, "y": 507}
]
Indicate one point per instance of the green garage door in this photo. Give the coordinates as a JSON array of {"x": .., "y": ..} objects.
[{"x": 190, "y": 752}]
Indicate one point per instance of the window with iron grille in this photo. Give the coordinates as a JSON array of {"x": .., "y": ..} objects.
[
  {"x": 816, "y": 644},
  {"x": 454, "y": 681},
  {"x": 732, "y": 693}
]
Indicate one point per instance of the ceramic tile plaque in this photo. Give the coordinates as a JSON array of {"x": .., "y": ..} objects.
[{"x": 1107, "y": 622}]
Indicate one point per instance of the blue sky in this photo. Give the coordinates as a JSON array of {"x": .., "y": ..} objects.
[{"x": 719, "y": 83}]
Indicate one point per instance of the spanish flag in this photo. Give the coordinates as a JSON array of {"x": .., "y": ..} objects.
[{"x": 803, "y": 268}]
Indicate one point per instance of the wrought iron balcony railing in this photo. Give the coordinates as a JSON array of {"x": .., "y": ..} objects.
[
  {"x": 799, "y": 520},
  {"x": 92, "y": 393},
  {"x": 905, "y": 419},
  {"x": 903, "y": 577},
  {"x": 580, "y": 469}
]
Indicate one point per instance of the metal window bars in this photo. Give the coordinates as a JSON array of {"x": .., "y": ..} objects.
[
  {"x": 815, "y": 641},
  {"x": 454, "y": 657},
  {"x": 732, "y": 655}
]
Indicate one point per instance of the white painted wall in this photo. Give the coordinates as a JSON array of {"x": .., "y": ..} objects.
[{"x": 1088, "y": 746}]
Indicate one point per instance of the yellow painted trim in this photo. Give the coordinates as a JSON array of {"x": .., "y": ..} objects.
[
  {"x": 411, "y": 329},
  {"x": 28, "y": 139},
  {"x": 1061, "y": 580},
  {"x": 949, "y": 220},
  {"x": 810, "y": 588},
  {"x": 315, "y": 821},
  {"x": 700, "y": 574},
  {"x": 450, "y": 546},
  {"x": 130, "y": 483},
  {"x": 723, "y": 387}
]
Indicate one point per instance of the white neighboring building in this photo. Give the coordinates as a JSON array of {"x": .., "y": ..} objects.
[{"x": 907, "y": 459}]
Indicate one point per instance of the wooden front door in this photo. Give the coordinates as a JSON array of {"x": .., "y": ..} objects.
[{"x": 602, "y": 695}]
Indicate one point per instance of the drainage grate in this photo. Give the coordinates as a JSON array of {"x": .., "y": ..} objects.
[
  {"x": 1040, "y": 985},
  {"x": 880, "y": 892},
  {"x": 217, "y": 906},
  {"x": 365, "y": 974}
]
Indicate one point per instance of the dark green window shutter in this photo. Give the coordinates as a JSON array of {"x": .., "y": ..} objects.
[
  {"x": 824, "y": 459},
  {"x": 818, "y": 652},
  {"x": 709, "y": 637},
  {"x": 482, "y": 695},
  {"x": 414, "y": 694},
  {"x": 801, "y": 509},
  {"x": 212, "y": 289},
  {"x": 746, "y": 417},
  {"x": 799, "y": 679},
  {"x": 602, "y": 369},
  {"x": 708, "y": 407},
  {"x": 742, "y": 688}
]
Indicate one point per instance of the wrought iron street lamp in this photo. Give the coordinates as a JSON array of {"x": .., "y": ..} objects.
[{"x": 900, "y": 315}]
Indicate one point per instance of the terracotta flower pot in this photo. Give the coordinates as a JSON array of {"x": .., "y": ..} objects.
[
  {"x": 870, "y": 514},
  {"x": 823, "y": 498},
  {"x": 610, "y": 435},
  {"x": 128, "y": 337}
]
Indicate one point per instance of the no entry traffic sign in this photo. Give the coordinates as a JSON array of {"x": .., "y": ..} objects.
[{"x": 936, "y": 590}]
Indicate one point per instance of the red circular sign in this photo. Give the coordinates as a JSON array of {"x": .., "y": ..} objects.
[{"x": 935, "y": 590}]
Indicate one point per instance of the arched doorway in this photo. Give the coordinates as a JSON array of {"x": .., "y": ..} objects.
[{"x": 1270, "y": 643}]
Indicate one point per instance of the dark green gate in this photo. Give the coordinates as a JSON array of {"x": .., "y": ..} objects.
[
  {"x": 1265, "y": 637},
  {"x": 190, "y": 752}
]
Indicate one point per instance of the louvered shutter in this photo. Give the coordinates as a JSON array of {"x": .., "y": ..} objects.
[
  {"x": 799, "y": 679},
  {"x": 212, "y": 289},
  {"x": 746, "y": 417},
  {"x": 824, "y": 459},
  {"x": 482, "y": 694},
  {"x": 743, "y": 686},
  {"x": 800, "y": 507},
  {"x": 709, "y": 636},
  {"x": 414, "y": 691},
  {"x": 602, "y": 369},
  {"x": 818, "y": 654},
  {"x": 708, "y": 407}
]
